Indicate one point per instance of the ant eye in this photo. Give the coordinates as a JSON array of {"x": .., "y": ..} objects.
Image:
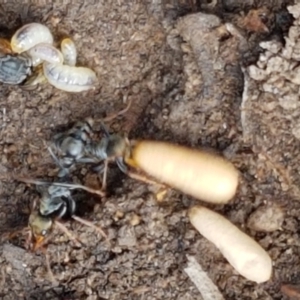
[{"x": 44, "y": 232}]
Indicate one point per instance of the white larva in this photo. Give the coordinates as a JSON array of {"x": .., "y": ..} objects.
[
  {"x": 30, "y": 35},
  {"x": 35, "y": 61},
  {"x": 46, "y": 52},
  {"x": 69, "y": 78},
  {"x": 198, "y": 173},
  {"x": 241, "y": 251},
  {"x": 69, "y": 52}
]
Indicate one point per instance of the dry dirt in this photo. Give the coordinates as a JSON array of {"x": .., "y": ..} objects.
[{"x": 186, "y": 83}]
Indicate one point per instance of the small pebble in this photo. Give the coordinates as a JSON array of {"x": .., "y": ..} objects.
[{"x": 266, "y": 218}]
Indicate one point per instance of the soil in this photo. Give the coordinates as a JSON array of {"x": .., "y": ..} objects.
[{"x": 186, "y": 81}]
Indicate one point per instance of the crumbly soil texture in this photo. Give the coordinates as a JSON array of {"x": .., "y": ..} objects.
[{"x": 185, "y": 75}]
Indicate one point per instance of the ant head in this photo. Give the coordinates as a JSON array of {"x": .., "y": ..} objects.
[{"x": 40, "y": 228}]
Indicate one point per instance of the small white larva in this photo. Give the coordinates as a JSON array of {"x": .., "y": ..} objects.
[
  {"x": 69, "y": 52},
  {"x": 69, "y": 78},
  {"x": 30, "y": 35},
  {"x": 35, "y": 61},
  {"x": 46, "y": 52},
  {"x": 241, "y": 251}
]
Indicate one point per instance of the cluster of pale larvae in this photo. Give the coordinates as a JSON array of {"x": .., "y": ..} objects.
[{"x": 31, "y": 58}]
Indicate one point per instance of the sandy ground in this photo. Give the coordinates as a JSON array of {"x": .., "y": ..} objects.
[{"x": 186, "y": 80}]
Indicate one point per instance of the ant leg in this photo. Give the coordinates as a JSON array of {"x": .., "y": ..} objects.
[
  {"x": 99, "y": 169},
  {"x": 34, "y": 79},
  {"x": 104, "y": 129},
  {"x": 11, "y": 235},
  {"x": 28, "y": 239},
  {"x": 86, "y": 160},
  {"x": 72, "y": 186},
  {"x": 104, "y": 178},
  {"x": 63, "y": 171},
  {"x": 48, "y": 266},
  {"x": 90, "y": 224},
  {"x": 143, "y": 178},
  {"x": 102, "y": 169},
  {"x": 3, "y": 278},
  {"x": 33, "y": 206},
  {"x": 68, "y": 233},
  {"x": 163, "y": 188},
  {"x": 115, "y": 115}
]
